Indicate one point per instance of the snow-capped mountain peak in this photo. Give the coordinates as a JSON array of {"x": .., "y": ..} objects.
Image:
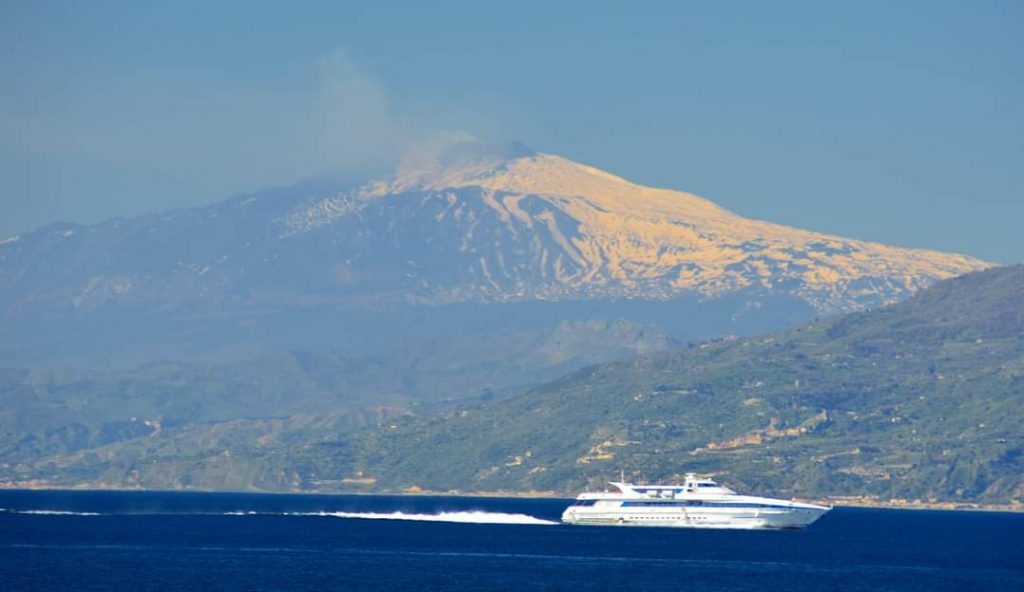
[{"x": 580, "y": 232}]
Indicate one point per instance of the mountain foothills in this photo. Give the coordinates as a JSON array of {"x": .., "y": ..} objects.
[
  {"x": 50, "y": 411},
  {"x": 472, "y": 238},
  {"x": 916, "y": 400}
]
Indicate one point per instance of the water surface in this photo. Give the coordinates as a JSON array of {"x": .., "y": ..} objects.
[{"x": 190, "y": 541}]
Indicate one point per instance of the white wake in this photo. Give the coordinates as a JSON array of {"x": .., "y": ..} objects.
[
  {"x": 49, "y": 512},
  {"x": 472, "y": 517}
]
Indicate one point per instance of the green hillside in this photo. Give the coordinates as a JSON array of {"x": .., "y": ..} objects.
[{"x": 919, "y": 400}]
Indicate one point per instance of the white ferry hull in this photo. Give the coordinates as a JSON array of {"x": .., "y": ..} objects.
[{"x": 750, "y": 520}]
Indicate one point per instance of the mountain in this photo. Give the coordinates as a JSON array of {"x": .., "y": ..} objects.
[
  {"x": 485, "y": 233},
  {"x": 915, "y": 400},
  {"x": 275, "y": 326}
]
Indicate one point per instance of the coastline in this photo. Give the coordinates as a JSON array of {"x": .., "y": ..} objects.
[{"x": 839, "y": 502}]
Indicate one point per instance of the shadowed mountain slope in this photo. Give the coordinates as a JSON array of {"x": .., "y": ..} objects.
[{"x": 49, "y": 412}]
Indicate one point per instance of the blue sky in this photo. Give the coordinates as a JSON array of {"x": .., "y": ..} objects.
[{"x": 896, "y": 122}]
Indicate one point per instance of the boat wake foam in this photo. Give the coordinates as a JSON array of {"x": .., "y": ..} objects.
[
  {"x": 472, "y": 517},
  {"x": 49, "y": 512}
]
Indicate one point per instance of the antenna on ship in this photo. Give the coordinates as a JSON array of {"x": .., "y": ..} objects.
[{"x": 622, "y": 475}]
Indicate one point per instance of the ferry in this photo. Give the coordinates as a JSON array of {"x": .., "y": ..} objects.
[{"x": 696, "y": 503}]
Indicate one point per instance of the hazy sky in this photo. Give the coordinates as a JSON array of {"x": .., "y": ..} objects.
[{"x": 892, "y": 121}]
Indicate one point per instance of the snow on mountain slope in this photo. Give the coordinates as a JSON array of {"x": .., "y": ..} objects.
[{"x": 579, "y": 232}]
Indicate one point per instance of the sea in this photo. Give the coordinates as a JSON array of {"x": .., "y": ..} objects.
[{"x": 87, "y": 540}]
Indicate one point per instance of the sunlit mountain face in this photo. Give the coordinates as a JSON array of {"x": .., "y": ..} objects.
[
  {"x": 507, "y": 224},
  {"x": 477, "y": 226}
]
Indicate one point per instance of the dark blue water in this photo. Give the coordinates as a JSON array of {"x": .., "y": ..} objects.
[{"x": 181, "y": 541}]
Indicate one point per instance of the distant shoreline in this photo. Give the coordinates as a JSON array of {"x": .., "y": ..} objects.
[{"x": 845, "y": 502}]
